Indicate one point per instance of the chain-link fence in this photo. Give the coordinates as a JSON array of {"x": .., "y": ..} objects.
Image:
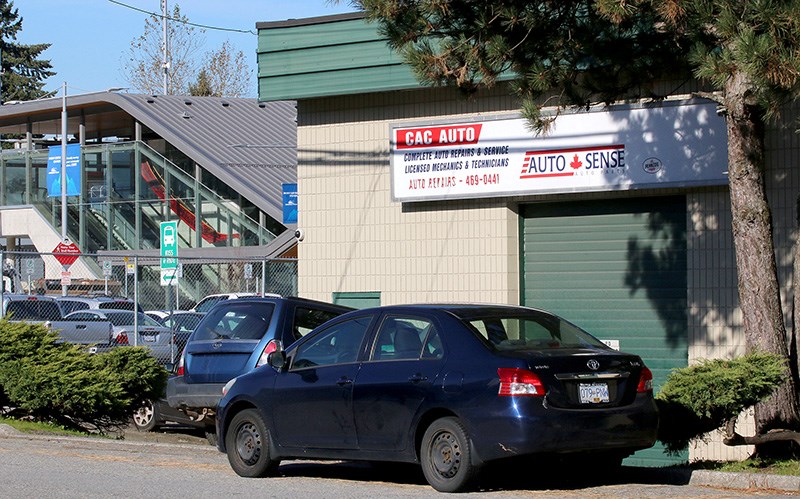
[{"x": 147, "y": 283}]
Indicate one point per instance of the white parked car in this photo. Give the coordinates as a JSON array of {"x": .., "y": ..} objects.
[{"x": 209, "y": 301}]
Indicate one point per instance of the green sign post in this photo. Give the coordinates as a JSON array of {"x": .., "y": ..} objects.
[{"x": 169, "y": 253}]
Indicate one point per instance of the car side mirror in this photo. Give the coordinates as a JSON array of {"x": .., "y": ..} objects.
[{"x": 277, "y": 359}]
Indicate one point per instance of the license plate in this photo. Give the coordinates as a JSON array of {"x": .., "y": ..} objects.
[
  {"x": 593, "y": 393},
  {"x": 149, "y": 339}
]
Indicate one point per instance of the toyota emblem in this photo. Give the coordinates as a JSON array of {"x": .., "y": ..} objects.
[{"x": 593, "y": 365}]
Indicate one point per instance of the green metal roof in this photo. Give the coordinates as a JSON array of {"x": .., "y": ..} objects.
[{"x": 325, "y": 56}]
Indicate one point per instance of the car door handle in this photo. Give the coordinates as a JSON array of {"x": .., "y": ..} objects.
[
  {"x": 344, "y": 381},
  {"x": 417, "y": 378}
]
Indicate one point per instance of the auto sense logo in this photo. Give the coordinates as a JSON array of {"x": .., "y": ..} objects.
[{"x": 573, "y": 161}]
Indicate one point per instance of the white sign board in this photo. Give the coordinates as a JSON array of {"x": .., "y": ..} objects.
[
  {"x": 671, "y": 145},
  {"x": 169, "y": 277}
]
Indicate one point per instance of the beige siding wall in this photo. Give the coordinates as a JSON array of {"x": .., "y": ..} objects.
[{"x": 357, "y": 239}]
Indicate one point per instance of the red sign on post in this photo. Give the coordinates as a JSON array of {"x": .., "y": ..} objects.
[{"x": 66, "y": 254}]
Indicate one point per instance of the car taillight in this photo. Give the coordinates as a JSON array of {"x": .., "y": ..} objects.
[
  {"x": 121, "y": 339},
  {"x": 645, "y": 381},
  {"x": 519, "y": 382},
  {"x": 180, "y": 371},
  {"x": 272, "y": 346}
]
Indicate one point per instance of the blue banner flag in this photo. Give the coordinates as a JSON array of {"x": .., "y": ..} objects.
[
  {"x": 73, "y": 170},
  {"x": 290, "y": 203}
]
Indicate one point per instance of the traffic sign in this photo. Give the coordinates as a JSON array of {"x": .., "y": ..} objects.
[
  {"x": 66, "y": 252},
  {"x": 169, "y": 253},
  {"x": 169, "y": 245}
]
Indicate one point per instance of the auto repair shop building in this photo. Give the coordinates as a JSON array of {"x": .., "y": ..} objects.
[{"x": 618, "y": 219}]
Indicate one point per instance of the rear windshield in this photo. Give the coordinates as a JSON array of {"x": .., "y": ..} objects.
[
  {"x": 245, "y": 321},
  {"x": 531, "y": 330},
  {"x": 34, "y": 310},
  {"x": 116, "y": 305},
  {"x": 207, "y": 304},
  {"x": 71, "y": 306},
  {"x": 126, "y": 319}
]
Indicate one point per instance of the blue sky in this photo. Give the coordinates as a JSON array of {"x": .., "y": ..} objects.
[{"x": 90, "y": 37}]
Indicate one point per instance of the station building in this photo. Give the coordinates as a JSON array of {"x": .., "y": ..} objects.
[
  {"x": 618, "y": 219},
  {"x": 220, "y": 167}
]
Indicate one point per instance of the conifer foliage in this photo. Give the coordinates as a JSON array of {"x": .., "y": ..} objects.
[
  {"x": 64, "y": 384},
  {"x": 23, "y": 72}
]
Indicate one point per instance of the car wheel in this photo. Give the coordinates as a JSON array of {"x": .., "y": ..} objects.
[
  {"x": 445, "y": 456},
  {"x": 146, "y": 417},
  {"x": 248, "y": 445}
]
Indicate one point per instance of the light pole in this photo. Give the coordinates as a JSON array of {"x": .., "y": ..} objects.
[{"x": 64, "y": 176}]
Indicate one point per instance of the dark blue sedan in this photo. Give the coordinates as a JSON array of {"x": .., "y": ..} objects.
[{"x": 451, "y": 387}]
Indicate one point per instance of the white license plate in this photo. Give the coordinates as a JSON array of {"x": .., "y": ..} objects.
[
  {"x": 149, "y": 339},
  {"x": 593, "y": 393}
]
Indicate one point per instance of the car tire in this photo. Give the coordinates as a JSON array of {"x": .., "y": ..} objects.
[
  {"x": 146, "y": 417},
  {"x": 446, "y": 456},
  {"x": 248, "y": 445}
]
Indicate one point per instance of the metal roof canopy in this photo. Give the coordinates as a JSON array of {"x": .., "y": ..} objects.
[{"x": 249, "y": 145}]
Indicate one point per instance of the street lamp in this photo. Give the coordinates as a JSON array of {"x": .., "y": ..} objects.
[{"x": 64, "y": 176}]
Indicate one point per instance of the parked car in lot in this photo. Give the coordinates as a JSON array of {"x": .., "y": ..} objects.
[
  {"x": 182, "y": 323},
  {"x": 48, "y": 311},
  {"x": 74, "y": 303},
  {"x": 157, "y": 315},
  {"x": 451, "y": 387},
  {"x": 209, "y": 301},
  {"x": 32, "y": 308},
  {"x": 235, "y": 337},
  {"x": 131, "y": 328}
]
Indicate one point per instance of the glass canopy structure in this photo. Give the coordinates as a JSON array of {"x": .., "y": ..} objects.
[{"x": 217, "y": 166}]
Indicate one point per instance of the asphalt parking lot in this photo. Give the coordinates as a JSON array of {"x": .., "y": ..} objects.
[{"x": 179, "y": 441}]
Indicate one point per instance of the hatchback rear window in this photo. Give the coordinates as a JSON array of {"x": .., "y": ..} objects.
[
  {"x": 237, "y": 322},
  {"x": 34, "y": 310}
]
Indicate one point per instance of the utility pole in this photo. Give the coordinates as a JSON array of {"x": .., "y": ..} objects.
[{"x": 165, "y": 45}]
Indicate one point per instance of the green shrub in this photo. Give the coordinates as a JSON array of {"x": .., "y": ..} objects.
[
  {"x": 698, "y": 399},
  {"x": 63, "y": 383}
]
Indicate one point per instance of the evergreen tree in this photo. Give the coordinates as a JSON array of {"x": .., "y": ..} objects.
[
  {"x": 575, "y": 53},
  {"x": 23, "y": 73},
  {"x": 202, "y": 87}
]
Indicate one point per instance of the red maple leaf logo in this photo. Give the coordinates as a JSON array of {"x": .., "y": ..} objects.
[{"x": 576, "y": 163}]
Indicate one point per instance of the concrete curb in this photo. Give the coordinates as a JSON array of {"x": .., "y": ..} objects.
[
  {"x": 7, "y": 431},
  {"x": 745, "y": 480}
]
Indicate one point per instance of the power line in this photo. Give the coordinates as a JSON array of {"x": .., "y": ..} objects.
[{"x": 169, "y": 18}]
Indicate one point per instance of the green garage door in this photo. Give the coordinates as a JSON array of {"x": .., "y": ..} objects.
[{"x": 617, "y": 268}]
